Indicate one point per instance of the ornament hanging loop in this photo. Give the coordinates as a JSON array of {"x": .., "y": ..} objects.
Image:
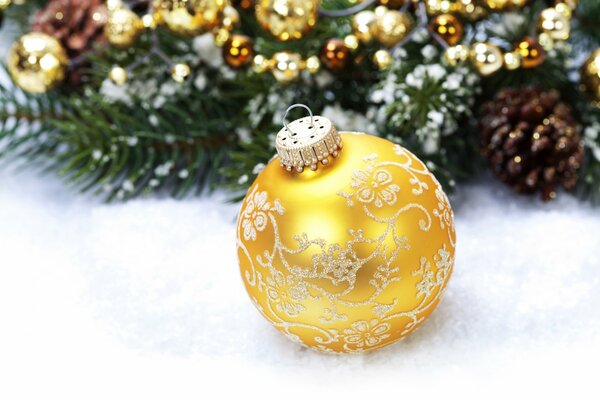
[{"x": 290, "y": 108}]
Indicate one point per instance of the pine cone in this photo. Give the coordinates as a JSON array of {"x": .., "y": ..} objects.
[
  {"x": 531, "y": 140},
  {"x": 77, "y": 24}
]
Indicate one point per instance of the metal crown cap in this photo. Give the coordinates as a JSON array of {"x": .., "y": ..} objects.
[{"x": 307, "y": 141}]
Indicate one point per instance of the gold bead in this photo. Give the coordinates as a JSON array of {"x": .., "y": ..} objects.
[
  {"x": 123, "y": 27},
  {"x": 362, "y": 25},
  {"x": 333, "y": 232},
  {"x": 190, "y": 18},
  {"x": 486, "y": 58},
  {"x": 564, "y": 9},
  {"x": 231, "y": 17},
  {"x": 382, "y": 59},
  {"x": 351, "y": 42},
  {"x": 238, "y": 51},
  {"x": 313, "y": 65},
  {"x": 260, "y": 64},
  {"x": 454, "y": 55},
  {"x": 286, "y": 66},
  {"x": 532, "y": 53},
  {"x": 448, "y": 27},
  {"x": 287, "y": 19},
  {"x": 118, "y": 75},
  {"x": 37, "y": 62},
  {"x": 221, "y": 37},
  {"x": 512, "y": 60},
  {"x": 149, "y": 21},
  {"x": 546, "y": 41},
  {"x": 180, "y": 72},
  {"x": 590, "y": 76},
  {"x": 554, "y": 24},
  {"x": 391, "y": 26}
]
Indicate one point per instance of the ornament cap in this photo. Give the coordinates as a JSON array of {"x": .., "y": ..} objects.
[{"x": 307, "y": 141}]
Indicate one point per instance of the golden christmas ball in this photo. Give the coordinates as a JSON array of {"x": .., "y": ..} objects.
[
  {"x": 260, "y": 64},
  {"x": 532, "y": 52},
  {"x": 353, "y": 255},
  {"x": 313, "y": 65},
  {"x": 37, "y": 62},
  {"x": 448, "y": 27},
  {"x": 335, "y": 55},
  {"x": 238, "y": 51},
  {"x": 123, "y": 27},
  {"x": 382, "y": 59},
  {"x": 362, "y": 25},
  {"x": 286, "y": 66},
  {"x": 287, "y": 19},
  {"x": 555, "y": 24},
  {"x": 512, "y": 60},
  {"x": 190, "y": 17},
  {"x": 486, "y": 58},
  {"x": 590, "y": 76},
  {"x": 455, "y": 55},
  {"x": 118, "y": 75},
  {"x": 391, "y": 26},
  {"x": 180, "y": 72}
]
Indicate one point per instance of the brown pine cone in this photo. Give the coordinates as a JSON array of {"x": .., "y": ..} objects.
[
  {"x": 77, "y": 24},
  {"x": 531, "y": 140}
]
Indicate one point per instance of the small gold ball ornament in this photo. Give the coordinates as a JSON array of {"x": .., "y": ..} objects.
[
  {"x": 351, "y": 42},
  {"x": 335, "y": 55},
  {"x": 362, "y": 25},
  {"x": 455, "y": 55},
  {"x": 590, "y": 76},
  {"x": 391, "y": 26},
  {"x": 118, "y": 75},
  {"x": 123, "y": 27},
  {"x": 313, "y": 65},
  {"x": 352, "y": 254},
  {"x": 260, "y": 64},
  {"x": 231, "y": 17},
  {"x": 37, "y": 62},
  {"x": 512, "y": 60},
  {"x": 190, "y": 18},
  {"x": 238, "y": 51},
  {"x": 555, "y": 24},
  {"x": 149, "y": 21},
  {"x": 180, "y": 72},
  {"x": 287, "y": 19},
  {"x": 486, "y": 58},
  {"x": 448, "y": 27},
  {"x": 532, "y": 52},
  {"x": 382, "y": 59},
  {"x": 286, "y": 66}
]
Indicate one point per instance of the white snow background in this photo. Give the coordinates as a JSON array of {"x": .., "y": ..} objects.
[{"x": 143, "y": 300}]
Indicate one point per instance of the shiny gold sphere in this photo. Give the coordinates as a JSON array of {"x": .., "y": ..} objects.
[
  {"x": 362, "y": 25},
  {"x": 286, "y": 66},
  {"x": 486, "y": 58},
  {"x": 555, "y": 24},
  {"x": 287, "y": 19},
  {"x": 455, "y": 55},
  {"x": 448, "y": 27},
  {"x": 260, "y": 64},
  {"x": 118, "y": 75},
  {"x": 123, "y": 27},
  {"x": 382, "y": 59},
  {"x": 190, "y": 18},
  {"x": 37, "y": 62},
  {"x": 512, "y": 60},
  {"x": 590, "y": 76},
  {"x": 353, "y": 256},
  {"x": 391, "y": 26},
  {"x": 532, "y": 52},
  {"x": 238, "y": 51},
  {"x": 180, "y": 72},
  {"x": 313, "y": 65}
]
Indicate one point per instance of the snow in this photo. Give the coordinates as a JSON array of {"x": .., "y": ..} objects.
[{"x": 144, "y": 299}]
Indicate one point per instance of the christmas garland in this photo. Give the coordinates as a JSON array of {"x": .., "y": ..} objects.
[{"x": 125, "y": 98}]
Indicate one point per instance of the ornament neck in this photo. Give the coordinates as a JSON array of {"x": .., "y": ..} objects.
[{"x": 307, "y": 141}]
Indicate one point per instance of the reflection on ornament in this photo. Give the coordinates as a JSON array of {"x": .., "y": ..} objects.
[
  {"x": 590, "y": 76},
  {"x": 287, "y": 19},
  {"x": 238, "y": 51},
  {"x": 448, "y": 27},
  {"x": 391, "y": 26},
  {"x": 382, "y": 59},
  {"x": 350, "y": 257},
  {"x": 555, "y": 24},
  {"x": 189, "y": 17},
  {"x": 118, "y": 75},
  {"x": 286, "y": 66},
  {"x": 260, "y": 64},
  {"x": 362, "y": 25},
  {"x": 149, "y": 21},
  {"x": 37, "y": 62},
  {"x": 486, "y": 58},
  {"x": 180, "y": 72},
  {"x": 335, "y": 55},
  {"x": 454, "y": 55},
  {"x": 123, "y": 27},
  {"x": 532, "y": 53}
]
